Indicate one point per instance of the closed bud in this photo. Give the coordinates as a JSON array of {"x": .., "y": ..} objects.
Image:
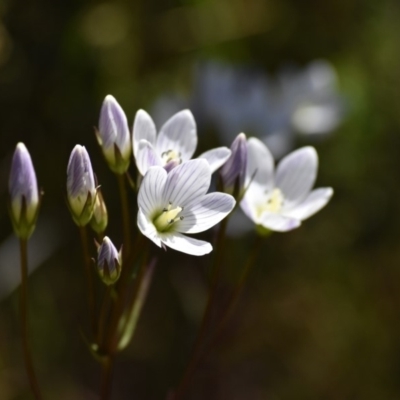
[
  {"x": 233, "y": 171},
  {"x": 81, "y": 190},
  {"x": 113, "y": 135},
  {"x": 24, "y": 194},
  {"x": 99, "y": 219},
  {"x": 108, "y": 262}
]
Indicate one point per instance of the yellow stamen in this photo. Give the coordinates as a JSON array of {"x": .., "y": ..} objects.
[
  {"x": 273, "y": 204},
  {"x": 171, "y": 155}
]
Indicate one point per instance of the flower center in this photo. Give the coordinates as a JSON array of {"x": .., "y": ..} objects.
[
  {"x": 166, "y": 219},
  {"x": 273, "y": 204},
  {"x": 171, "y": 155}
]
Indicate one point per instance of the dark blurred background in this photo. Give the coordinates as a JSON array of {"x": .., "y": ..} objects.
[{"x": 319, "y": 318}]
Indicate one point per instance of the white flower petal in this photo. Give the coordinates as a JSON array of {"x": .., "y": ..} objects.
[
  {"x": 147, "y": 228},
  {"x": 296, "y": 173},
  {"x": 186, "y": 244},
  {"x": 143, "y": 129},
  {"x": 260, "y": 167},
  {"x": 211, "y": 209},
  {"x": 150, "y": 192},
  {"x": 317, "y": 199},
  {"x": 178, "y": 134},
  {"x": 187, "y": 182},
  {"x": 216, "y": 157},
  {"x": 248, "y": 206},
  {"x": 279, "y": 223},
  {"x": 146, "y": 157}
]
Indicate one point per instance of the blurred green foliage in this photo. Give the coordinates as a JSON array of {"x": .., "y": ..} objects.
[{"x": 320, "y": 316}]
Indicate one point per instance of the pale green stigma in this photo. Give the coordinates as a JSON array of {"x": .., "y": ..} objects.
[
  {"x": 166, "y": 219},
  {"x": 171, "y": 155}
]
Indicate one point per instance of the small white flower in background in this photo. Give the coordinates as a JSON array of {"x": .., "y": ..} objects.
[
  {"x": 24, "y": 194},
  {"x": 231, "y": 98},
  {"x": 81, "y": 190},
  {"x": 175, "y": 143},
  {"x": 113, "y": 135},
  {"x": 175, "y": 203},
  {"x": 280, "y": 200},
  {"x": 108, "y": 262}
]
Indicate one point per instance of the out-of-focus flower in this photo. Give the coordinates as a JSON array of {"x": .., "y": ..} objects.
[
  {"x": 175, "y": 203},
  {"x": 280, "y": 200},
  {"x": 175, "y": 143},
  {"x": 24, "y": 195},
  {"x": 234, "y": 170},
  {"x": 113, "y": 135},
  {"x": 81, "y": 190},
  {"x": 316, "y": 106},
  {"x": 242, "y": 98},
  {"x": 99, "y": 219},
  {"x": 108, "y": 262}
]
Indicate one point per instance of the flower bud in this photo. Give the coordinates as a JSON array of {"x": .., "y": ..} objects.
[
  {"x": 113, "y": 135},
  {"x": 99, "y": 219},
  {"x": 24, "y": 194},
  {"x": 81, "y": 190},
  {"x": 108, "y": 262},
  {"x": 233, "y": 171}
]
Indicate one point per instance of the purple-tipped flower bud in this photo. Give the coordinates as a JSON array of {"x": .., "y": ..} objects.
[
  {"x": 113, "y": 135},
  {"x": 24, "y": 194},
  {"x": 233, "y": 171},
  {"x": 108, "y": 262},
  {"x": 99, "y": 219},
  {"x": 81, "y": 190}
]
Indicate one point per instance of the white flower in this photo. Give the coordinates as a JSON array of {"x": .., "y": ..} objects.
[
  {"x": 176, "y": 142},
  {"x": 174, "y": 203},
  {"x": 280, "y": 200}
]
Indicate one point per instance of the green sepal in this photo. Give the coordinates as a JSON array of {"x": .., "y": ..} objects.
[
  {"x": 106, "y": 277},
  {"x": 87, "y": 212},
  {"x": 120, "y": 164},
  {"x": 262, "y": 231},
  {"x": 24, "y": 228}
]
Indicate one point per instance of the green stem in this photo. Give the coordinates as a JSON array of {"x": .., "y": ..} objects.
[
  {"x": 106, "y": 378},
  {"x": 103, "y": 315},
  {"x": 196, "y": 351},
  {"x": 89, "y": 278},
  {"x": 111, "y": 339},
  {"x": 126, "y": 272},
  {"x": 24, "y": 320},
  {"x": 119, "y": 309},
  {"x": 137, "y": 302},
  {"x": 125, "y": 216}
]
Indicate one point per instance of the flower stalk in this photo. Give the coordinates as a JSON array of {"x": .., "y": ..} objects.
[
  {"x": 24, "y": 320},
  {"x": 89, "y": 278},
  {"x": 196, "y": 354},
  {"x": 125, "y": 216}
]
